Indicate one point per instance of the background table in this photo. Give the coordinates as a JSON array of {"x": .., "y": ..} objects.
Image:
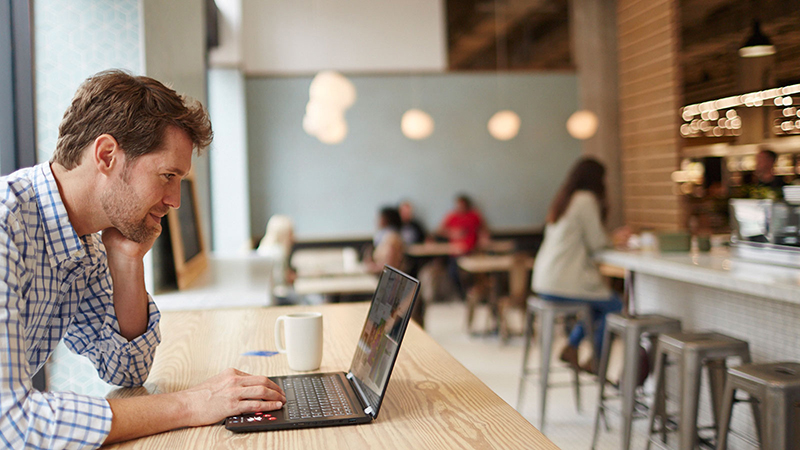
[{"x": 432, "y": 402}]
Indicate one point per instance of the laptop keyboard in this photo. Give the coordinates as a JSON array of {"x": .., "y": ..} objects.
[{"x": 315, "y": 397}]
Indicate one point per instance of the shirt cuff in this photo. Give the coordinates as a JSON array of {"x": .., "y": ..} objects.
[{"x": 143, "y": 344}]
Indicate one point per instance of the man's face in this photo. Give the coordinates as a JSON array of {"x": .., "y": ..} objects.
[
  {"x": 146, "y": 188},
  {"x": 763, "y": 165}
]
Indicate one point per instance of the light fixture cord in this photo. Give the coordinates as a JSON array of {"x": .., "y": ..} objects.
[{"x": 502, "y": 54}]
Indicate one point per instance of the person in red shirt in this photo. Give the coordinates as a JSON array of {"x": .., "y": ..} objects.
[{"x": 464, "y": 226}]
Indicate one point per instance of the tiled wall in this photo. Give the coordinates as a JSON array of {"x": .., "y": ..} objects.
[
  {"x": 73, "y": 40},
  {"x": 772, "y": 328},
  {"x": 649, "y": 98}
]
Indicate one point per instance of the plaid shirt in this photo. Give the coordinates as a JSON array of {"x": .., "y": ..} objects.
[{"x": 53, "y": 285}]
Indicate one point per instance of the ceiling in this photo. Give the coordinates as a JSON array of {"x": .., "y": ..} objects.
[
  {"x": 534, "y": 35},
  {"x": 712, "y": 32},
  {"x": 508, "y": 35}
]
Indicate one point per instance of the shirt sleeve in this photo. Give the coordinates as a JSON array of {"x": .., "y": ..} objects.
[
  {"x": 29, "y": 418},
  {"x": 94, "y": 333}
]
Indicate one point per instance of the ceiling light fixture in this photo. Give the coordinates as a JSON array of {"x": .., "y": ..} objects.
[{"x": 758, "y": 44}]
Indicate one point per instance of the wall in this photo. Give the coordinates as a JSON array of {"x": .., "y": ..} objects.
[
  {"x": 230, "y": 198},
  {"x": 336, "y": 190},
  {"x": 649, "y": 98},
  {"x": 74, "y": 39},
  {"x": 305, "y": 36},
  {"x": 174, "y": 50}
]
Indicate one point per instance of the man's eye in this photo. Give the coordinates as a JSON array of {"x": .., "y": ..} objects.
[{"x": 169, "y": 176}]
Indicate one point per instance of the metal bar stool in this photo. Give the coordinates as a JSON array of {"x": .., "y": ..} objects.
[
  {"x": 547, "y": 312},
  {"x": 776, "y": 390},
  {"x": 693, "y": 351},
  {"x": 631, "y": 329}
]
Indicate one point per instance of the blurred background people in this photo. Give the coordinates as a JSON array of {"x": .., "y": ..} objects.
[
  {"x": 412, "y": 230},
  {"x": 464, "y": 227},
  {"x": 564, "y": 270},
  {"x": 388, "y": 245},
  {"x": 277, "y": 247}
]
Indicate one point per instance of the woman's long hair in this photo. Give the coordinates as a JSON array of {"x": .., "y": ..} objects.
[{"x": 587, "y": 175}]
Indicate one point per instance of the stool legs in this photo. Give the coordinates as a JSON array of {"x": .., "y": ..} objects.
[
  {"x": 602, "y": 370},
  {"x": 691, "y": 368},
  {"x": 630, "y": 376},
  {"x": 525, "y": 357},
  {"x": 659, "y": 399},
  {"x": 725, "y": 416},
  {"x": 546, "y": 324}
]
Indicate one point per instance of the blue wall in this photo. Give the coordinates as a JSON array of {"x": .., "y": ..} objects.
[{"x": 337, "y": 189}]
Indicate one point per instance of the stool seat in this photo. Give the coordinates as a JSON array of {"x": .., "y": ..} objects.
[
  {"x": 776, "y": 388},
  {"x": 540, "y": 304},
  {"x": 631, "y": 329},
  {"x": 693, "y": 351}
]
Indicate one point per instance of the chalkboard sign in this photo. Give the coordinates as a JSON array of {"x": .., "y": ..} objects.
[{"x": 187, "y": 240}]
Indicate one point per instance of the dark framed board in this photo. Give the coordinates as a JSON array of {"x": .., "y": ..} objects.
[{"x": 188, "y": 250}]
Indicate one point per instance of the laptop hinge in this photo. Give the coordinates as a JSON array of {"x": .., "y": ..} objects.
[{"x": 361, "y": 396}]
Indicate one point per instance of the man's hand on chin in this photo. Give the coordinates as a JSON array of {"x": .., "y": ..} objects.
[{"x": 118, "y": 245}]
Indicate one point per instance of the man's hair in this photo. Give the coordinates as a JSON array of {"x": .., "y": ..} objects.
[{"x": 135, "y": 110}]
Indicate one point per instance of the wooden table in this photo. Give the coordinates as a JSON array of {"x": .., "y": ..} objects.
[
  {"x": 336, "y": 285},
  {"x": 432, "y": 401},
  {"x": 493, "y": 266},
  {"x": 432, "y": 249}
]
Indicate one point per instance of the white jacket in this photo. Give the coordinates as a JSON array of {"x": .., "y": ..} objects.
[{"x": 564, "y": 266}]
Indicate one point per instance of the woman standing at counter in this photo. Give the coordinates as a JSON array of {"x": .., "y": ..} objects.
[{"x": 564, "y": 270}]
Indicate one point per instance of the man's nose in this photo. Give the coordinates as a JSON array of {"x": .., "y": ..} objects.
[{"x": 173, "y": 197}]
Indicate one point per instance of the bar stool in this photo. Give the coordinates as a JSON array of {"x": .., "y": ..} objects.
[
  {"x": 631, "y": 329},
  {"x": 547, "y": 312},
  {"x": 692, "y": 351},
  {"x": 776, "y": 388}
]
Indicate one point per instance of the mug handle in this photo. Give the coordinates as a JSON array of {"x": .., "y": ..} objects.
[{"x": 281, "y": 349}]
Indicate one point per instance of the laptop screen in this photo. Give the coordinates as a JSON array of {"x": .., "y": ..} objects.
[{"x": 383, "y": 331}]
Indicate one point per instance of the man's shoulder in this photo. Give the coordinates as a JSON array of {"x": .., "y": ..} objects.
[{"x": 17, "y": 194}]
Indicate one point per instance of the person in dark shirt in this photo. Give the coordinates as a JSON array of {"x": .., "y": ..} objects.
[{"x": 412, "y": 231}]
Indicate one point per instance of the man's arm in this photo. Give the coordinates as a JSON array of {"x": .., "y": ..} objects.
[{"x": 229, "y": 393}]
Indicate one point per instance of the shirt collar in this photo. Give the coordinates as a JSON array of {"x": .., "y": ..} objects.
[{"x": 61, "y": 240}]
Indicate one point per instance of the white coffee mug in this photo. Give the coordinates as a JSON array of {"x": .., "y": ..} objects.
[{"x": 303, "y": 335}]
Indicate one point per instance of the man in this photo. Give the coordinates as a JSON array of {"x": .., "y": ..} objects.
[
  {"x": 765, "y": 171},
  {"x": 412, "y": 231},
  {"x": 124, "y": 144}
]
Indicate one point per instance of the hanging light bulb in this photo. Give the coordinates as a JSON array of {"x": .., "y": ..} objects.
[
  {"x": 416, "y": 124},
  {"x": 504, "y": 125},
  {"x": 330, "y": 95},
  {"x": 582, "y": 124},
  {"x": 334, "y": 133},
  {"x": 333, "y": 88}
]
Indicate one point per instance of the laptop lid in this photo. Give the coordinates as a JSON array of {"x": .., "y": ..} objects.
[{"x": 380, "y": 339}]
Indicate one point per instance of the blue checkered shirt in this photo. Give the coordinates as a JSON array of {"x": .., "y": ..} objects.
[{"x": 56, "y": 285}]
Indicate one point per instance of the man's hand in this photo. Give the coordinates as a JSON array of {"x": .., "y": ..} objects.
[
  {"x": 230, "y": 393},
  {"x": 118, "y": 246}
]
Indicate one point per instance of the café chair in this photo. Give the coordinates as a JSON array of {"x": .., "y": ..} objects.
[{"x": 774, "y": 391}]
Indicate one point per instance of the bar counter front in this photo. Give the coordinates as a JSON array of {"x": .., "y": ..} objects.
[
  {"x": 756, "y": 302},
  {"x": 432, "y": 401}
]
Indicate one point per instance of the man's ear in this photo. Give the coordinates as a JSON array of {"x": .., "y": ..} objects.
[{"x": 106, "y": 154}]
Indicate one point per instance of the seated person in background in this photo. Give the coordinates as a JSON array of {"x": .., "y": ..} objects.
[
  {"x": 564, "y": 270},
  {"x": 412, "y": 231},
  {"x": 465, "y": 228},
  {"x": 124, "y": 145},
  {"x": 388, "y": 246},
  {"x": 277, "y": 246}
]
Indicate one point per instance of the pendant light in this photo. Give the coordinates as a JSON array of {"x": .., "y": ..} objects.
[
  {"x": 504, "y": 124},
  {"x": 758, "y": 44}
]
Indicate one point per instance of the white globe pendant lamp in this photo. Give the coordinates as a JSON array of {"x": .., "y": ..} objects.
[
  {"x": 582, "y": 124},
  {"x": 504, "y": 125},
  {"x": 416, "y": 124}
]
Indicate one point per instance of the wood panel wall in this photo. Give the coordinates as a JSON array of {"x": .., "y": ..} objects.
[{"x": 649, "y": 100}]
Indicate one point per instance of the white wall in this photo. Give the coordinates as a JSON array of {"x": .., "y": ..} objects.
[
  {"x": 230, "y": 199},
  {"x": 305, "y": 36}
]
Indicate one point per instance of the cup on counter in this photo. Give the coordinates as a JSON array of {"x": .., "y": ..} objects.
[{"x": 303, "y": 336}]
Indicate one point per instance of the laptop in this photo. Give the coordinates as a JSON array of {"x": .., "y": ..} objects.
[{"x": 338, "y": 398}]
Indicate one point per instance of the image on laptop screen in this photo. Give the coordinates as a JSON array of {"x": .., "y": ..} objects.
[{"x": 380, "y": 339}]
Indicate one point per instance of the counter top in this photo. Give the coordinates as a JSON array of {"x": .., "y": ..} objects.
[{"x": 716, "y": 269}]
